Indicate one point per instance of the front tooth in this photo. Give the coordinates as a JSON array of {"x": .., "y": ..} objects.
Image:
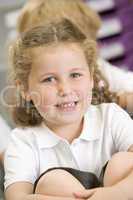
[{"x": 67, "y": 105}]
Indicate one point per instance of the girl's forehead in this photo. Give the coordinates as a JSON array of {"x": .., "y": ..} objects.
[
  {"x": 56, "y": 47},
  {"x": 58, "y": 56}
]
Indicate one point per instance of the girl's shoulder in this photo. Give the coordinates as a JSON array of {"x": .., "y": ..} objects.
[
  {"x": 25, "y": 134},
  {"x": 107, "y": 111},
  {"x": 112, "y": 108},
  {"x": 109, "y": 119},
  {"x": 105, "y": 107},
  {"x": 22, "y": 131},
  {"x": 26, "y": 129}
]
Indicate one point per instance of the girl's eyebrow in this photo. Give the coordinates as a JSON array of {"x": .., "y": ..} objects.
[
  {"x": 54, "y": 73},
  {"x": 77, "y": 68},
  {"x": 47, "y": 74}
]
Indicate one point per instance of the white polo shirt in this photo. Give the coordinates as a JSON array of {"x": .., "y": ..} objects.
[{"x": 107, "y": 129}]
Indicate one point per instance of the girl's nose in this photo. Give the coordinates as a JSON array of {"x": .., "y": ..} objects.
[{"x": 64, "y": 88}]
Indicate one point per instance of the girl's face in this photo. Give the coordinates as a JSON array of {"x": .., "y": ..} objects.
[{"x": 60, "y": 84}]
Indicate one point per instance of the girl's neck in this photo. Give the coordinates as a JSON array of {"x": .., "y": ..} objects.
[{"x": 68, "y": 132}]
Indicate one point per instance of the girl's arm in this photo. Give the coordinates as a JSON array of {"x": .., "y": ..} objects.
[
  {"x": 23, "y": 191},
  {"x": 19, "y": 191},
  {"x": 123, "y": 191},
  {"x": 120, "y": 170}
]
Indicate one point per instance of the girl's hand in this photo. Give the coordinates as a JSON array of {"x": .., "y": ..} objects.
[
  {"x": 105, "y": 193},
  {"x": 85, "y": 194}
]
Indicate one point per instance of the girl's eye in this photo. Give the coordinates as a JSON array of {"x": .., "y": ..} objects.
[
  {"x": 76, "y": 75},
  {"x": 49, "y": 79}
]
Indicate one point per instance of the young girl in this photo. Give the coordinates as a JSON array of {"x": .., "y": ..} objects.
[
  {"x": 41, "y": 11},
  {"x": 54, "y": 67}
]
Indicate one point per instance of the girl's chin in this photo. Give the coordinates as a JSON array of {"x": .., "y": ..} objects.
[{"x": 63, "y": 119}]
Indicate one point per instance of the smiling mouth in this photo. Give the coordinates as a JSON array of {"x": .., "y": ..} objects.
[{"x": 67, "y": 105}]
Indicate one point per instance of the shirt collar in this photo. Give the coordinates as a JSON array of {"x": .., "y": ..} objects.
[
  {"x": 91, "y": 130},
  {"x": 45, "y": 137},
  {"x": 92, "y": 124}
]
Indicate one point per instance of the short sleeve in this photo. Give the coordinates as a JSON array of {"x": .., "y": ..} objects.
[
  {"x": 20, "y": 162},
  {"x": 121, "y": 126}
]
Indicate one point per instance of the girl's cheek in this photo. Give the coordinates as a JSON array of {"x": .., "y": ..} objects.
[
  {"x": 85, "y": 94},
  {"x": 43, "y": 98},
  {"x": 49, "y": 98}
]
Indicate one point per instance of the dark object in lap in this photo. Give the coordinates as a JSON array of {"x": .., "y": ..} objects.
[{"x": 87, "y": 179}]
